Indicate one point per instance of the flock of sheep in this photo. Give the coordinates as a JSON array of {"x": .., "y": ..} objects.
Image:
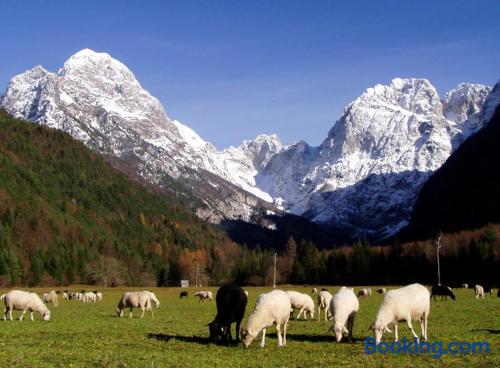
[
  {"x": 406, "y": 304},
  {"x": 409, "y": 303}
]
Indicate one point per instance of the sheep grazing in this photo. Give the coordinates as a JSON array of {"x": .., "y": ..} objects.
[
  {"x": 203, "y": 295},
  {"x": 25, "y": 301},
  {"x": 343, "y": 308},
  {"x": 314, "y": 291},
  {"x": 479, "y": 290},
  {"x": 231, "y": 302},
  {"x": 302, "y": 302},
  {"x": 183, "y": 294},
  {"x": 381, "y": 291},
  {"x": 271, "y": 308},
  {"x": 363, "y": 293},
  {"x": 408, "y": 303},
  {"x": 136, "y": 299},
  {"x": 324, "y": 299},
  {"x": 65, "y": 295},
  {"x": 89, "y": 297},
  {"x": 465, "y": 286},
  {"x": 98, "y": 295},
  {"x": 443, "y": 291},
  {"x": 51, "y": 297}
]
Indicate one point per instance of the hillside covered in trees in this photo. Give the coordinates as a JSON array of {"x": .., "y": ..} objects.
[{"x": 67, "y": 216}]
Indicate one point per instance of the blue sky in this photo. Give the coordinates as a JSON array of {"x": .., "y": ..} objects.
[{"x": 233, "y": 69}]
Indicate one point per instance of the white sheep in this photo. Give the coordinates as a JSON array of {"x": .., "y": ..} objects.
[
  {"x": 51, "y": 297},
  {"x": 369, "y": 291},
  {"x": 134, "y": 299},
  {"x": 204, "y": 295},
  {"x": 363, "y": 293},
  {"x": 324, "y": 299},
  {"x": 65, "y": 295},
  {"x": 343, "y": 308},
  {"x": 408, "y": 303},
  {"x": 153, "y": 298},
  {"x": 25, "y": 301},
  {"x": 98, "y": 295},
  {"x": 381, "y": 291},
  {"x": 89, "y": 297},
  {"x": 302, "y": 302},
  {"x": 465, "y": 286},
  {"x": 314, "y": 291},
  {"x": 479, "y": 290},
  {"x": 271, "y": 308}
]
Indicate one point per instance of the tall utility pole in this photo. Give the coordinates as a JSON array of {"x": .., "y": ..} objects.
[
  {"x": 274, "y": 273},
  {"x": 438, "y": 243}
]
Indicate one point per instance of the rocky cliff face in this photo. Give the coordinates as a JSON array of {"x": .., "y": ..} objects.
[{"x": 366, "y": 174}]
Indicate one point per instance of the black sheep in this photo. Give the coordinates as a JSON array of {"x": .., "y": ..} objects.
[
  {"x": 231, "y": 302},
  {"x": 443, "y": 291},
  {"x": 183, "y": 294}
]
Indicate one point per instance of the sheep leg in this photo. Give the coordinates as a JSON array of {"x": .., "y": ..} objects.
[
  {"x": 31, "y": 315},
  {"x": 350, "y": 323},
  {"x": 300, "y": 312},
  {"x": 22, "y": 315},
  {"x": 143, "y": 310},
  {"x": 411, "y": 329},
  {"x": 326, "y": 315},
  {"x": 424, "y": 327},
  {"x": 238, "y": 330},
  {"x": 395, "y": 332},
  {"x": 319, "y": 312},
  {"x": 263, "y": 342},
  {"x": 10, "y": 313},
  {"x": 130, "y": 313},
  {"x": 284, "y": 333},
  {"x": 278, "y": 332},
  {"x": 5, "y": 314}
]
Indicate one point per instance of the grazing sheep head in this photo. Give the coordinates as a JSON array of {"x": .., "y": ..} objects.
[
  {"x": 247, "y": 337},
  {"x": 217, "y": 331},
  {"x": 339, "y": 330},
  {"x": 119, "y": 312},
  {"x": 46, "y": 315},
  {"x": 311, "y": 313},
  {"x": 378, "y": 331}
]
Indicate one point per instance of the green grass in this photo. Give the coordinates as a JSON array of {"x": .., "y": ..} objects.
[{"x": 89, "y": 335}]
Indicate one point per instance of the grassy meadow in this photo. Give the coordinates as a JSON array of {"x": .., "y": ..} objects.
[{"x": 90, "y": 335}]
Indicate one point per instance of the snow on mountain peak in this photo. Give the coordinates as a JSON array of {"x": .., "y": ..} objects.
[{"x": 464, "y": 100}]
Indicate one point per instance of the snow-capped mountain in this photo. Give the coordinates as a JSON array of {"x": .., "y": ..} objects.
[
  {"x": 366, "y": 174},
  {"x": 364, "y": 177},
  {"x": 97, "y": 100}
]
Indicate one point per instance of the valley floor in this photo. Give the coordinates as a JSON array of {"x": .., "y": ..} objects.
[{"x": 90, "y": 335}]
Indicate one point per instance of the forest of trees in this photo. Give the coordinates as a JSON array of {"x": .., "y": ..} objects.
[{"x": 66, "y": 216}]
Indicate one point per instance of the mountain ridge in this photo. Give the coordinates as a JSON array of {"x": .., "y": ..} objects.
[{"x": 390, "y": 138}]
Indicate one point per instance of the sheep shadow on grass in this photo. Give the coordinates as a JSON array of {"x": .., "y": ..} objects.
[
  {"x": 191, "y": 339},
  {"x": 319, "y": 338},
  {"x": 489, "y": 330}
]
